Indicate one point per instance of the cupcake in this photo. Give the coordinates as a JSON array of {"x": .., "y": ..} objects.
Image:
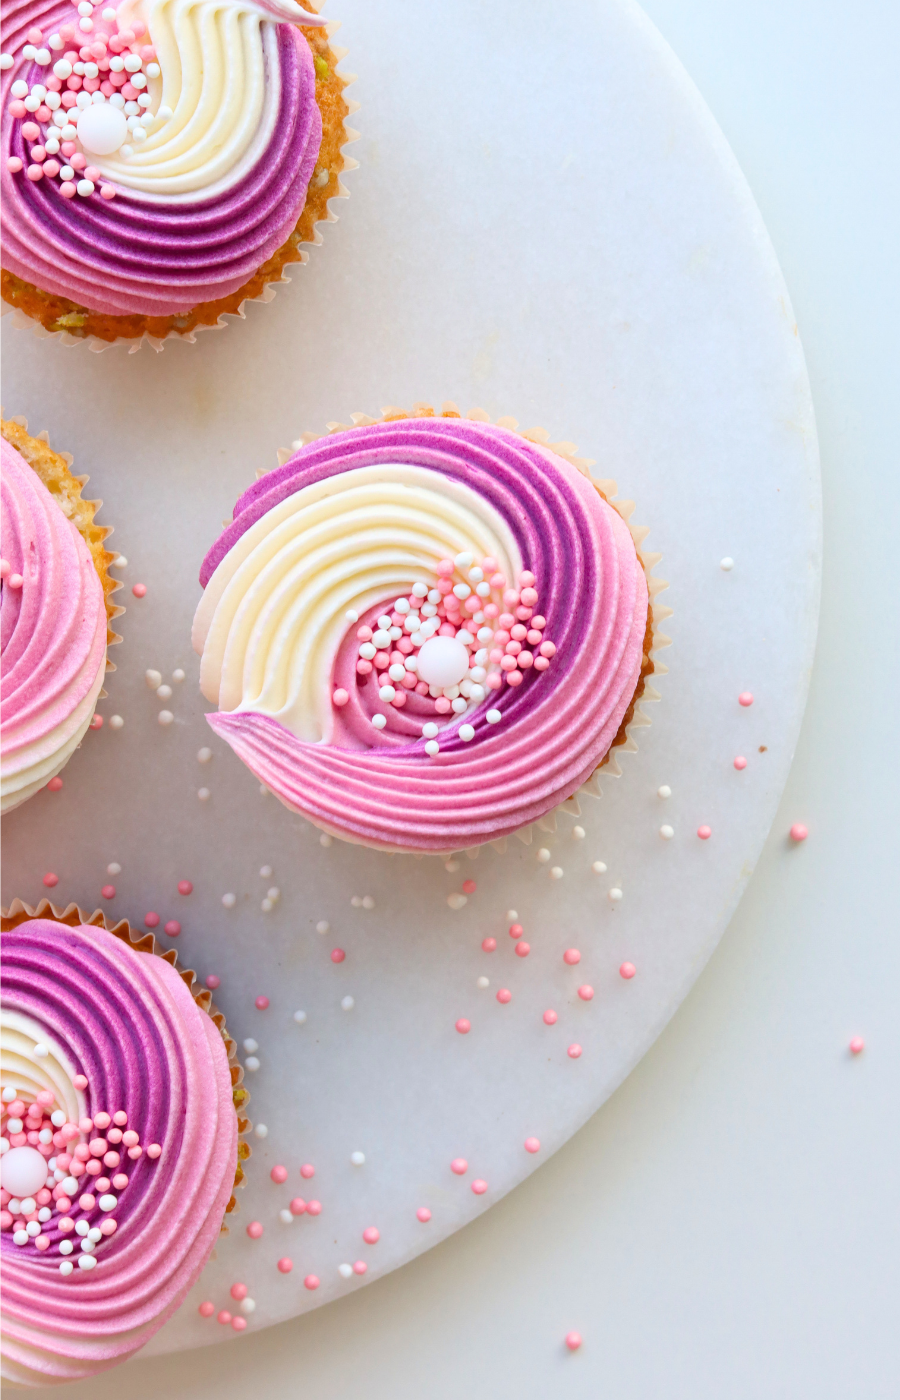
[
  {"x": 425, "y": 633},
  {"x": 120, "y": 1141},
  {"x": 162, "y": 162},
  {"x": 56, "y": 611}
]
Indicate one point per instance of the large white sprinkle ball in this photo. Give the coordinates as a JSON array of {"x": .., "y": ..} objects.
[
  {"x": 23, "y": 1171},
  {"x": 443, "y": 661},
  {"x": 102, "y": 129}
]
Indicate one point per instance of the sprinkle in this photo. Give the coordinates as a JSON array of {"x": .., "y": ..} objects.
[
  {"x": 578, "y": 833},
  {"x": 55, "y": 784},
  {"x": 586, "y": 993},
  {"x": 463, "y": 1026},
  {"x": 799, "y": 832},
  {"x": 571, "y": 956},
  {"x": 185, "y": 887},
  {"x": 489, "y": 945},
  {"x": 254, "y": 1229},
  {"x": 300, "y": 1017},
  {"x": 627, "y": 970},
  {"x": 664, "y": 791},
  {"x": 371, "y": 1235},
  {"x": 543, "y": 855},
  {"x": 493, "y": 716},
  {"x": 307, "y": 1171},
  {"x": 556, "y": 872},
  {"x": 224, "y": 1317},
  {"x": 347, "y": 1003},
  {"x": 116, "y": 722},
  {"x": 261, "y": 1003},
  {"x": 204, "y": 755},
  {"x": 340, "y": 697},
  {"x": 239, "y": 1324},
  {"x": 213, "y": 982},
  {"x": 239, "y": 1291},
  {"x": 523, "y": 949},
  {"x": 704, "y": 832},
  {"x": 459, "y": 1166},
  {"x": 614, "y": 895},
  {"x": 206, "y": 1309},
  {"x": 108, "y": 892},
  {"x": 740, "y": 763},
  {"x": 726, "y": 564},
  {"x": 479, "y": 1186},
  {"x": 745, "y": 698},
  {"x": 573, "y": 1340},
  {"x": 51, "y": 880},
  {"x": 203, "y": 794},
  {"x": 666, "y": 832},
  {"x": 229, "y": 900},
  {"x": 504, "y": 995},
  {"x": 358, "y": 1159},
  {"x": 456, "y": 901},
  {"x": 469, "y": 887},
  {"x": 139, "y": 590},
  {"x": 598, "y": 867},
  {"x": 550, "y": 1018},
  {"x": 574, "y": 1052},
  {"x": 360, "y": 1267},
  {"x": 338, "y": 955},
  {"x": 279, "y": 1175},
  {"x": 379, "y": 721},
  {"x": 532, "y": 1144},
  {"x": 857, "y": 1045},
  {"x": 261, "y": 1131},
  {"x": 314, "y": 1207},
  {"x": 311, "y": 1281},
  {"x": 165, "y": 717}
]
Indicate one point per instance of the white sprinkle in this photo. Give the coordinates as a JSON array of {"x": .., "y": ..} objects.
[
  {"x": 66, "y": 1247},
  {"x": 456, "y": 901},
  {"x": 543, "y": 855},
  {"x": 274, "y": 894},
  {"x": 482, "y": 982},
  {"x": 248, "y": 1305},
  {"x": 432, "y": 747},
  {"x": 81, "y": 1226},
  {"x": 345, "y": 1270},
  {"x": 463, "y": 560},
  {"x": 153, "y": 679},
  {"x": 578, "y": 833},
  {"x": 58, "y": 1117},
  {"x": 387, "y": 694},
  {"x": 265, "y": 871},
  {"x": 45, "y": 1213},
  {"x": 367, "y": 651},
  {"x": 300, "y": 1018},
  {"x": 33, "y": 1228},
  {"x": 420, "y": 590},
  {"x": 356, "y": 901},
  {"x": 664, "y": 791},
  {"x": 85, "y": 187},
  {"x": 40, "y": 1050},
  {"x": 114, "y": 868},
  {"x": 203, "y": 794},
  {"x": 368, "y": 902},
  {"x": 66, "y": 1267},
  {"x": 726, "y": 564},
  {"x": 556, "y": 872},
  {"x": 384, "y": 622},
  {"x": 95, "y": 1235},
  {"x": 430, "y": 730},
  {"x": 6, "y": 61},
  {"x": 325, "y": 840},
  {"x": 165, "y": 717},
  {"x": 285, "y": 1217},
  {"x": 358, "y": 1159},
  {"x": 251, "y": 1063},
  {"x": 493, "y": 716},
  {"x": 666, "y": 832},
  {"x": 87, "y": 1245},
  {"x": 120, "y": 561},
  {"x": 107, "y": 1202},
  {"x": 20, "y": 1237},
  {"x": 396, "y": 673},
  {"x": 204, "y": 755},
  {"x": 378, "y": 721},
  {"x": 261, "y": 1130},
  {"x": 598, "y": 867},
  {"x": 251, "y": 1045},
  {"x": 116, "y": 722},
  {"x": 229, "y": 900},
  {"x": 347, "y": 1004},
  {"x": 351, "y": 615},
  {"x": 9, "y": 1095},
  {"x": 263, "y": 790},
  {"x": 459, "y": 707},
  {"x": 178, "y": 675},
  {"x": 87, "y": 1261},
  {"x": 164, "y": 692},
  {"x": 466, "y": 732},
  {"x": 401, "y": 606},
  {"x": 614, "y": 895},
  {"x": 267, "y": 906}
]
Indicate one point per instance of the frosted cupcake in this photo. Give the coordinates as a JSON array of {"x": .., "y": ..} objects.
[
  {"x": 162, "y": 160},
  {"x": 56, "y": 611},
  {"x": 119, "y": 1140},
  {"x": 424, "y": 634}
]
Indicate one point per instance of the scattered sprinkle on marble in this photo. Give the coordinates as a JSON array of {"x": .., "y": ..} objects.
[
  {"x": 51, "y": 880},
  {"x": 504, "y": 995},
  {"x": 578, "y": 833},
  {"x": 482, "y": 982},
  {"x": 489, "y": 945},
  {"x": 543, "y": 855},
  {"x": 371, "y": 1235},
  {"x": 300, "y": 1017},
  {"x": 206, "y": 1309},
  {"x": 857, "y": 1045},
  {"x": 153, "y": 678},
  {"x": 139, "y": 590},
  {"x": 265, "y": 872},
  {"x": 338, "y": 955},
  {"x": 185, "y": 887},
  {"x": 726, "y": 564},
  {"x": 550, "y": 1018},
  {"x": 740, "y": 763},
  {"x": 704, "y": 832},
  {"x": 254, "y": 1229},
  {"x": 279, "y": 1174},
  {"x": 586, "y": 993},
  {"x": 745, "y": 698},
  {"x": 666, "y": 831},
  {"x": 311, "y": 1282},
  {"x": 114, "y": 868},
  {"x": 261, "y": 1130},
  {"x": 664, "y": 791},
  {"x": 463, "y": 1026},
  {"x": 614, "y": 895},
  {"x": 358, "y": 1159},
  {"x": 165, "y": 717},
  {"x": 556, "y": 872},
  {"x": 459, "y": 1166},
  {"x": 251, "y": 1046},
  {"x": 325, "y": 840},
  {"x": 151, "y": 919},
  {"x": 308, "y": 1171},
  {"x": 573, "y": 1340},
  {"x": 285, "y": 1265},
  {"x": 55, "y": 784},
  {"x": 598, "y": 867},
  {"x": 799, "y": 832},
  {"x": 203, "y": 794},
  {"x": 251, "y": 1063},
  {"x": 261, "y": 1003},
  {"x": 479, "y": 1186},
  {"x": 172, "y": 928},
  {"x": 368, "y": 902},
  {"x": 164, "y": 692},
  {"x": 457, "y": 901},
  {"x": 116, "y": 722},
  {"x": 532, "y": 1144},
  {"x": 323, "y": 926},
  {"x": 204, "y": 755},
  {"x": 523, "y": 949},
  {"x": 229, "y": 900},
  {"x": 627, "y": 970},
  {"x": 346, "y": 1270},
  {"x": 213, "y": 982},
  {"x": 360, "y": 1267},
  {"x": 574, "y": 1052},
  {"x": 178, "y": 675},
  {"x": 347, "y": 1003},
  {"x": 571, "y": 956}
]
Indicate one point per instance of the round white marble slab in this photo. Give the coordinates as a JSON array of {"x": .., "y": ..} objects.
[{"x": 548, "y": 224}]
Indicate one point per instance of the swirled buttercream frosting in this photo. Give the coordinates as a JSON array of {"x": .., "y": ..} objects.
[
  {"x": 119, "y": 1141},
  {"x": 53, "y": 633},
  {"x": 422, "y": 634},
  {"x": 154, "y": 155}
]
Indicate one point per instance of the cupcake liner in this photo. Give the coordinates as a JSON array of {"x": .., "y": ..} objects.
[
  {"x": 655, "y": 640},
  {"x": 19, "y": 913},
  {"x": 289, "y": 253}
]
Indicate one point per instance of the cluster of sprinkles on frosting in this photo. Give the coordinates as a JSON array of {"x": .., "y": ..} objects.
[
  {"x": 46, "y": 1161},
  {"x": 88, "y": 98},
  {"x": 455, "y": 639}
]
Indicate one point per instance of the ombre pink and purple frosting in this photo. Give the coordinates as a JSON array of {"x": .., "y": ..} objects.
[{"x": 328, "y": 540}]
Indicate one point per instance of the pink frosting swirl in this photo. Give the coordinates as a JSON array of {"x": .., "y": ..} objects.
[{"x": 52, "y": 633}]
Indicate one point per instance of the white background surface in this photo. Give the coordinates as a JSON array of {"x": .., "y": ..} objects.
[{"x": 724, "y": 1225}]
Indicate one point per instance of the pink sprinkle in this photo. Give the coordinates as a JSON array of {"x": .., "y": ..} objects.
[
  {"x": 314, "y": 1208},
  {"x": 151, "y": 920},
  {"x": 153, "y": 1151},
  {"x": 261, "y": 1003},
  {"x": 279, "y": 1174},
  {"x": 340, "y": 698},
  {"x": 514, "y": 678},
  {"x": 51, "y": 880},
  {"x": 442, "y": 705},
  {"x": 489, "y": 945},
  {"x": 360, "y": 1267},
  {"x": 548, "y": 649},
  {"x": 364, "y": 668},
  {"x": 109, "y": 1227},
  {"x": 573, "y": 1340},
  {"x": 445, "y": 568},
  {"x": 120, "y": 1181},
  {"x": 522, "y": 950},
  {"x": 704, "y": 832},
  {"x": 130, "y": 1138},
  {"x": 68, "y": 148},
  {"x": 96, "y": 721},
  {"x": 108, "y": 191},
  {"x": 541, "y": 663},
  {"x": 516, "y": 930},
  {"x": 463, "y": 1026},
  {"x": 77, "y": 161},
  {"x": 55, "y": 785},
  {"x": 574, "y": 1052},
  {"x": 459, "y": 1166},
  {"x": 13, "y": 165},
  {"x": 740, "y": 763},
  {"x": 42, "y": 1242},
  {"x": 87, "y": 1201},
  {"x": 80, "y": 1081},
  {"x": 213, "y": 981},
  {"x": 185, "y": 887},
  {"x": 139, "y": 590},
  {"x": 469, "y": 887},
  {"x": 102, "y": 1121},
  {"x": 297, "y": 1206},
  {"x": 51, "y": 168},
  {"x": 310, "y": 1282},
  {"x": 504, "y": 995},
  {"x": 285, "y": 1265},
  {"x": 108, "y": 892},
  {"x": 857, "y": 1045},
  {"x": 745, "y": 698},
  {"x": 479, "y": 1186},
  {"x": 371, "y": 1235},
  {"x": 338, "y": 955},
  {"x": 307, "y": 1171},
  {"x": 627, "y": 970},
  {"x": 586, "y": 993},
  {"x": 239, "y": 1323},
  {"x": 206, "y": 1309},
  {"x": 173, "y": 928},
  {"x": 550, "y": 1018},
  {"x": 17, "y": 110},
  {"x": 799, "y": 832},
  {"x": 120, "y": 1118},
  {"x": 423, "y": 1214},
  {"x": 254, "y": 1229},
  {"x": 239, "y": 1291},
  {"x": 571, "y": 956},
  {"x": 532, "y": 1145},
  {"x": 224, "y": 1317}
]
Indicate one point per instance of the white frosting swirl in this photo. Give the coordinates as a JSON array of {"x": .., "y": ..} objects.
[
  {"x": 30, "y": 1073},
  {"x": 273, "y": 614}
]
